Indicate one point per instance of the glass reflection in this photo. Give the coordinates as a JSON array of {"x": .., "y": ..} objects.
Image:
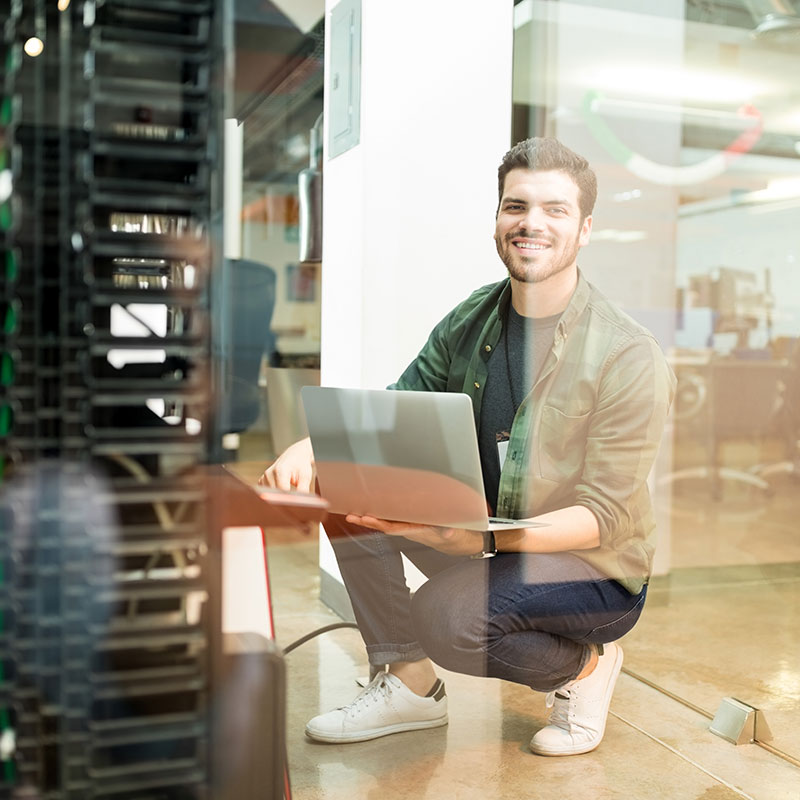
[{"x": 694, "y": 126}]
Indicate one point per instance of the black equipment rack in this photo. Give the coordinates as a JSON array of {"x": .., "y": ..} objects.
[{"x": 111, "y": 154}]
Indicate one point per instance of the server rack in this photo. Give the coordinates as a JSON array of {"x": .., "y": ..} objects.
[
  {"x": 9, "y": 315},
  {"x": 111, "y": 157}
]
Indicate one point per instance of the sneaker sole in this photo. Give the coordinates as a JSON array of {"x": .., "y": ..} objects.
[
  {"x": 586, "y": 747},
  {"x": 573, "y": 751},
  {"x": 375, "y": 733}
]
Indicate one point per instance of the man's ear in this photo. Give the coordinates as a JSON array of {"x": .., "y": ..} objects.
[{"x": 586, "y": 231}]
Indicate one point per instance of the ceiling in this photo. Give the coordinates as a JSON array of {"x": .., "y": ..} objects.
[
  {"x": 279, "y": 79},
  {"x": 697, "y": 72},
  {"x": 278, "y": 83}
]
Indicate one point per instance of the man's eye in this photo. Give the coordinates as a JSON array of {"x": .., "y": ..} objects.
[
  {"x": 557, "y": 211},
  {"x": 513, "y": 207}
]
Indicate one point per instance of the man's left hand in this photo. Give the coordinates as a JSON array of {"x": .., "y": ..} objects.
[{"x": 453, "y": 541}]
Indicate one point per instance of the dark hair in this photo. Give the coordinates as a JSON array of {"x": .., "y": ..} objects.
[{"x": 541, "y": 154}]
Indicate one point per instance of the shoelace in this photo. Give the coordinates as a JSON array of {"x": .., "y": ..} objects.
[
  {"x": 560, "y": 714},
  {"x": 380, "y": 688}
]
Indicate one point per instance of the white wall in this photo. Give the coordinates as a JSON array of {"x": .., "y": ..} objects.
[{"x": 409, "y": 211}]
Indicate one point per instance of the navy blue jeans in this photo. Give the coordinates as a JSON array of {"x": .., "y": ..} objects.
[{"x": 521, "y": 617}]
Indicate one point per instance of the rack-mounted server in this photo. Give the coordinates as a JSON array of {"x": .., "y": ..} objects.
[{"x": 111, "y": 155}]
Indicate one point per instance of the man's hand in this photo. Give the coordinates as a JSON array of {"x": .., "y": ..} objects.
[
  {"x": 453, "y": 541},
  {"x": 294, "y": 469}
]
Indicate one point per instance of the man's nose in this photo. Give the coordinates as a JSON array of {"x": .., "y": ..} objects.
[{"x": 534, "y": 218}]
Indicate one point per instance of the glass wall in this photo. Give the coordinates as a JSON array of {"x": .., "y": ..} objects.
[
  {"x": 276, "y": 248},
  {"x": 690, "y": 114}
]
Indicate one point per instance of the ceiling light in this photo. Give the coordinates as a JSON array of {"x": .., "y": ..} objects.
[
  {"x": 622, "y": 237},
  {"x": 782, "y": 187},
  {"x": 676, "y": 84},
  {"x": 34, "y": 46},
  {"x": 623, "y": 197},
  {"x": 63, "y": 5},
  {"x": 6, "y": 185},
  {"x": 773, "y": 16}
]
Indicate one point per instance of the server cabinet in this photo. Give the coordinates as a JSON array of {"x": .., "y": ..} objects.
[{"x": 110, "y": 165}]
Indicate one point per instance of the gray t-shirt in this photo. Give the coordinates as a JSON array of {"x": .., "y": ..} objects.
[{"x": 514, "y": 366}]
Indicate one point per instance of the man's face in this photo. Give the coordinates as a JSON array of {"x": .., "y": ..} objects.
[{"x": 538, "y": 230}]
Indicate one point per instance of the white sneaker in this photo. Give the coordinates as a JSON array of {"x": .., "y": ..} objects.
[
  {"x": 580, "y": 709},
  {"x": 386, "y": 706}
]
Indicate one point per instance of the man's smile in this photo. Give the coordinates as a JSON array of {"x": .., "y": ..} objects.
[
  {"x": 530, "y": 245},
  {"x": 529, "y": 242}
]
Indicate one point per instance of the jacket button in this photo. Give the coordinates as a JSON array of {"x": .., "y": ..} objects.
[
  {"x": 477, "y": 385},
  {"x": 488, "y": 348}
]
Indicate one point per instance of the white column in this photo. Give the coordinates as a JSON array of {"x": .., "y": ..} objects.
[
  {"x": 409, "y": 211},
  {"x": 232, "y": 208}
]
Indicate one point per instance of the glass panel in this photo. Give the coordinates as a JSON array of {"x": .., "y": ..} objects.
[
  {"x": 691, "y": 117},
  {"x": 275, "y": 282}
]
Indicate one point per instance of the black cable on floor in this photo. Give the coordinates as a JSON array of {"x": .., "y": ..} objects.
[{"x": 313, "y": 634}]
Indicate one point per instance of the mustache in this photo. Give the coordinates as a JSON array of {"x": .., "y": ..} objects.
[{"x": 526, "y": 233}]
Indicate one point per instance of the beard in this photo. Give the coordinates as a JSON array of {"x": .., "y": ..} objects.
[{"x": 542, "y": 264}]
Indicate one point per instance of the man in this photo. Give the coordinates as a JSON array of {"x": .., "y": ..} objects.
[{"x": 571, "y": 397}]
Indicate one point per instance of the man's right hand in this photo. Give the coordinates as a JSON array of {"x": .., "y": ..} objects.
[{"x": 293, "y": 469}]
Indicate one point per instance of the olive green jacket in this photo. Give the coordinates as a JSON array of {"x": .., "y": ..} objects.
[{"x": 588, "y": 432}]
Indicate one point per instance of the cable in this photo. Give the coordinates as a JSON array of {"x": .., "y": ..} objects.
[
  {"x": 313, "y": 634},
  {"x": 287, "y": 789},
  {"x": 165, "y": 519}
]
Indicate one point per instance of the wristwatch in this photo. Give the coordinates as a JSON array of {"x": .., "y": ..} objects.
[{"x": 489, "y": 546}]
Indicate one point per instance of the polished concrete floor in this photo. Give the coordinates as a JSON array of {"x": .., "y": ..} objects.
[
  {"x": 724, "y": 622},
  {"x": 709, "y": 631}
]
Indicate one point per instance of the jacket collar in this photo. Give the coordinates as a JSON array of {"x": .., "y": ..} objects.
[{"x": 576, "y": 306}]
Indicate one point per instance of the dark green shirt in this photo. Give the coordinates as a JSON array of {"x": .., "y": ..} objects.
[
  {"x": 512, "y": 368},
  {"x": 588, "y": 432}
]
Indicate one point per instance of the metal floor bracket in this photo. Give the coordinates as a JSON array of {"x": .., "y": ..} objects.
[{"x": 740, "y": 723}]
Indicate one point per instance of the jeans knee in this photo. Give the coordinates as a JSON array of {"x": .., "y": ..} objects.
[
  {"x": 444, "y": 630},
  {"x": 430, "y": 618}
]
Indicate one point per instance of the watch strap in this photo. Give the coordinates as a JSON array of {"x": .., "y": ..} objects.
[{"x": 489, "y": 549}]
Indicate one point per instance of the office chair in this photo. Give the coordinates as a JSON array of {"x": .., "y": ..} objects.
[
  {"x": 728, "y": 398},
  {"x": 247, "y": 318}
]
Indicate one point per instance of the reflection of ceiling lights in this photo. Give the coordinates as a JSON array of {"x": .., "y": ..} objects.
[
  {"x": 780, "y": 194},
  {"x": 296, "y": 147},
  {"x": 667, "y": 111},
  {"x": 628, "y": 79},
  {"x": 621, "y": 237},
  {"x": 623, "y": 197},
  {"x": 780, "y": 188}
]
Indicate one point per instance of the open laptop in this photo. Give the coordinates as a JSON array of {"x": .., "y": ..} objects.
[{"x": 397, "y": 455}]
